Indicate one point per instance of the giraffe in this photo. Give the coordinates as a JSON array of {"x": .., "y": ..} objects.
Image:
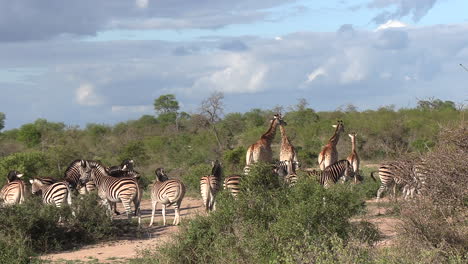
[
  {"x": 353, "y": 158},
  {"x": 287, "y": 152},
  {"x": 261, "y": 150},
  {"x": 329, "y": 154}
]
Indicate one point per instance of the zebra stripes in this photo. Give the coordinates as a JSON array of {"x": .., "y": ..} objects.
[
  {"x": 14, "y": 191},
  {"x": 77, "y": 169},
  {"x": 232, "y": 184},
  {"x": 398, "y": 173},
  {"x": 333, "y": 173},
  {"x": 167, "y": 192},
  {"x": 409, "y": 174},
  {"x": 287, "y": 171},
  {"x": 54, "y": 194},
  {"x": 112, "y": 190},
  {"x": 209, "y": 186}
]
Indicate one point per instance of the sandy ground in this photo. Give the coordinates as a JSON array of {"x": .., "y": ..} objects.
[{"x": 120, "y": 250}]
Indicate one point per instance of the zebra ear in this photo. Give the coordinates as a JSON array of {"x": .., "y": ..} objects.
[
  {"x": 334, "y": 126},
  {"x": 19, "y": 175},
  {"x": 31, "y": 181},
  {"x": 83, "y": 163}
]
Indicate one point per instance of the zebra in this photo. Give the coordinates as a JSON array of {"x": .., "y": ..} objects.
[
  {"x": 55, "y": 194},
  {"x": 15, "y": 190},
  {"x": 333, "y": 173},
  {"x": 112, "y": 190},
  {"x": 167, "y": 192},
  {"x": 232, "y": 184},
  {"x": 125, "y": 169},
  {"x": 209, "y": 186},
  {"x": 77, "y": 169},
  {"x": 398, "y": 173},
  {"x": 287, "y": 171}
]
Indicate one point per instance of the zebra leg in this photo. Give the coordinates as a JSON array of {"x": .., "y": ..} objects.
[
  {"x": 177, "y": 214},
  {"x": 380, "y": 191},
  {"x": 153, "y": 205},
  {"x": 69, "y": 201},
  {"x": 164, "y": 214},
  {"x": 128, "y": 208}
]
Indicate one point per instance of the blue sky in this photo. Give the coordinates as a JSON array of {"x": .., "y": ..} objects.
[{"x": 81, "y": 62}]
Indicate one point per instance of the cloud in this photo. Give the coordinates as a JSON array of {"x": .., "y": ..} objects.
[
  {"x": 142, "y": 3},
  {"x": 401, "y": 8},
  {"x": 391, "y": 24},
  {"x": 233, "y": 45},
  {"x": 26, "y": 20},
  {"x": 238, "y": 74},
  {"x": 392, "y": 39},
  {"x": 109, "y": 82},
  {"x": 86, "y": 95},
  {"x": 134, "y": 109}
]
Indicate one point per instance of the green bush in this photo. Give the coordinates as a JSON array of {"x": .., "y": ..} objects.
[
  {"x": 191, "y": 177},
  {"x": 33, "y": 228},
  {"x": 31, "y": 164},
  {"x": 266, "y": 218}
]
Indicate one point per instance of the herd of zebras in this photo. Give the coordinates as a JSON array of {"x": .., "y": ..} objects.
[{"x": 121, "y": 183}]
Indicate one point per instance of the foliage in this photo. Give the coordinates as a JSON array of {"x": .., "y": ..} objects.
[
  {"x": 30, "y": 135},
  {"x": 2, "y": 120},
  {"x": 32, "y": 228},
  {"x": 31, "y": 164},
  {"x": 166, "y": 103},
  {"x": 437, "y": 222},
  {"x": 266, "y": 216}
]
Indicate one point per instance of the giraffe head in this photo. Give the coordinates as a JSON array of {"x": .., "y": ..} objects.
[
  {"x": 352, "y": 135},
  {"x": 278, "y": 120},
  {"x": 339, "y": 126}
]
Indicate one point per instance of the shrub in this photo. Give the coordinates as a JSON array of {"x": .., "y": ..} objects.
[
  {"x": 268, "y": 222},
  {"x": 32, "y": 228},
  {"x": 436, "y": 222}
]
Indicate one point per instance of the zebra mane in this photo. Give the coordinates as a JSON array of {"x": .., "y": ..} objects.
[
  {"x": 216, "y": 170},
  {"x": 161, "y": 175}
]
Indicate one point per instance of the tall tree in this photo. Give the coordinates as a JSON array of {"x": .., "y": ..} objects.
[
  {"x": 167, "y": 108},
  {"x": 166, "y": 103},
  {"x": 2, "y": 120},
  {"x": 212, "y": 108}
]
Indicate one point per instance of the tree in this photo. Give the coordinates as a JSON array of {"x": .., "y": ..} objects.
[
  {"x": 30, "y": 135},
  {"x": 212, "y": 109},
  {"x": 166, "y": 104},
  {"x": 167, "y": 108},
  {"x": 2, "y": 120}
]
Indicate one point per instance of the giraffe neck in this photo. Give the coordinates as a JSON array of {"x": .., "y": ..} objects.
[
  {"x": 270, "y": 134},
  {"x": 353, "y": 144},
  {"x": 284, "y": 137},
  {"x": 334, "y": 139}
]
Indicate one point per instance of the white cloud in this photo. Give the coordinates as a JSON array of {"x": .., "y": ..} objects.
[
  {"x": 86, "y": 95},
  {"x": 142, "y": 3},
  {"x": 315, "y": 74},
  {"x": 138, "y": 109},
  {"x": 391, "y": 24},
  {"x": 278, "y": 38},
  {"x": 240, "y": 73}
]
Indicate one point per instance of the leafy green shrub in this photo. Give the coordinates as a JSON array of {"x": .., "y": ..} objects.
[
  {"x": 33, "y": 228},
  {"x": 266, "y": 218},
  {"x": 191, "y": 177},
  {"x": 31, "y": 164}
]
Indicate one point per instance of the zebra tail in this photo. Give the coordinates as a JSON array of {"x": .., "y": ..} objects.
[{"x": 372, "y": 175}]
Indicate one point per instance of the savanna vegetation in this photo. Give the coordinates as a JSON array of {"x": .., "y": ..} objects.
[{"x": 269, "y": 223}]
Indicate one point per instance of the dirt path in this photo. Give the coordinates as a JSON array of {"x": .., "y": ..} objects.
[
  {"x": 120, "y": 250},
  {"x": 381, "y": 216}
]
